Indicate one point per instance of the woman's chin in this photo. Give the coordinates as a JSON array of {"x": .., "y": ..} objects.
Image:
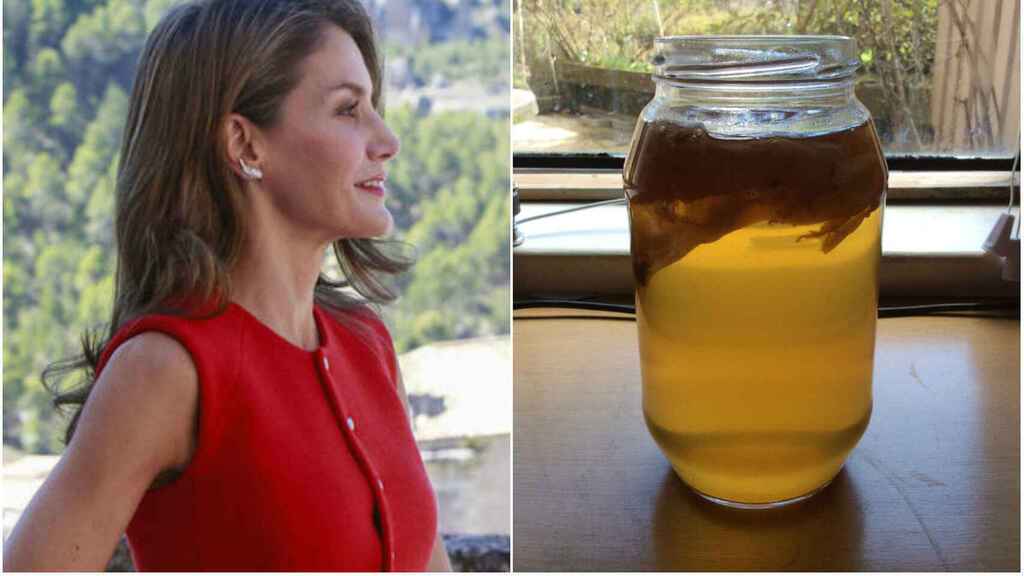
[
  {"x": 387, "y": 224},
  {"x": 377, "y": 225}
]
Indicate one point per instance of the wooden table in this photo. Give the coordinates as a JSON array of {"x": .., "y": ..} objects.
[{"x": 933, "y": 485}]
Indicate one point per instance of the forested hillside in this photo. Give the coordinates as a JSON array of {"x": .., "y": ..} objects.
[{"x": 68, "y": 66}]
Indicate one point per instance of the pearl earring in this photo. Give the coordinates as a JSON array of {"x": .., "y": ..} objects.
[{"x": 250, "y": 172}]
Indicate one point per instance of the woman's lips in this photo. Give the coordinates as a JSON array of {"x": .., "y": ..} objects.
[{"x": 373, "y": 186}]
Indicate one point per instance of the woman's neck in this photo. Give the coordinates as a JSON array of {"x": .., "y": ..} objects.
[{"x": 274, "y": 280}]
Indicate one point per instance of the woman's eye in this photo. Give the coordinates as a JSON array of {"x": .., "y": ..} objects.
[{"x": 349, "y": 109}]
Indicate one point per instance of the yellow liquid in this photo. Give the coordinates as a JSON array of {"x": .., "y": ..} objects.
[{"x": 757, "y": 356}]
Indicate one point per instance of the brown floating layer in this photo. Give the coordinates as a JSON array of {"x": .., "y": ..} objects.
[{"x": 687, "y": 188}]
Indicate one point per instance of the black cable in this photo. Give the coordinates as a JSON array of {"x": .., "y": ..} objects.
[
  {"x": 925, "y": 309},
  {"x": 883, "y": 311},
  {"x": 568, "y": 210},
  {"x": 577, "y": 304},
  {"x": 624, "y": 317}
]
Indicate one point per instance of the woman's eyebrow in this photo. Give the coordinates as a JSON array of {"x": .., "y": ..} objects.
[{"x": 345, "y": 85}]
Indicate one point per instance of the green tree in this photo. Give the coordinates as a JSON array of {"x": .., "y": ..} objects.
[
  {"x": 17, "y": 15},
  {"x": 49, "y": 17},
  {"x": 102, "y": 45},
  {"x": 107, "y": 34},
  {"x": 47, "y": 202},
  {"x": 47, "y": 71},
  {"x": 99, "y": 213},
  {"x": 64, "y": 109},
  {"x": 98, "y": 148},
  {"x": 155, "y": 9},
  {"x": 21, "y": 135}
]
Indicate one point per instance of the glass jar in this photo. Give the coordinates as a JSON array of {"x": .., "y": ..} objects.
[{"x": 755, "y": 182}]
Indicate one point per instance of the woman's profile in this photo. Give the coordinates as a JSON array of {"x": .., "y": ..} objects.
[{"x": 244, "y": 411}]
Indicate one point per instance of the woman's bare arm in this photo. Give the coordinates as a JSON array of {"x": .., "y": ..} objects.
[
  {"x": 139, "y": 421},
  {"x": 439, "y": 561}
]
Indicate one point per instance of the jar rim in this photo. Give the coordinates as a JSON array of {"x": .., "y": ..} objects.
[
  {"x": 790, "y": 38},
  {"x": 755, "y": 58}
]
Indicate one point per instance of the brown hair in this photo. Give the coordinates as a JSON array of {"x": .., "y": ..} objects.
[{"x": 179, "y": 225}]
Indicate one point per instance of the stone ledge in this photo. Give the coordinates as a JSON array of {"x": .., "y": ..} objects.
[
  {"x": 478, "y": 553},
  {"x": 467, "y": 552}
]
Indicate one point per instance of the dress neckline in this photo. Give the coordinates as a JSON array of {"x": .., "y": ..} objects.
[{"x": 318, "y": 320}]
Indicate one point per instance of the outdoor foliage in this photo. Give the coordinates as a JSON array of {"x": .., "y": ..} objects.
[
  {"x": 450, "y": 195},
  {"x": 455, "y": 60},
  {"x": 68, "y": 68},
  {"x": 896, "y": 40}
]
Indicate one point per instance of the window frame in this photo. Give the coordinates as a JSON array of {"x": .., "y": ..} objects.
[
  {"x": 948, "y": 186},
  {"x": 609, "y": 161}
]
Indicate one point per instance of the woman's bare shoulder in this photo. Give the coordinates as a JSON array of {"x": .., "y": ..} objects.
[
  {"x": 148, "y": 388},
  {"x": 137, "y": 423}
]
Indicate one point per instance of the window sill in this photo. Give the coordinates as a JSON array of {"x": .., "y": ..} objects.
[
  {"x": 577, "y": 185},
  {"x": 928, "y": 251}
]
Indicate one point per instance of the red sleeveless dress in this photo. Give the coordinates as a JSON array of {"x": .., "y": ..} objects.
[{"x": 305, "y": 461}]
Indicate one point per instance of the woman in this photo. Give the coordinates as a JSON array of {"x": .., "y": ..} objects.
[{"x": 245, "y": 412}]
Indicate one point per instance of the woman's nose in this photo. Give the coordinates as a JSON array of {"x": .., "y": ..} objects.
[{"x": 385, "y": 144}]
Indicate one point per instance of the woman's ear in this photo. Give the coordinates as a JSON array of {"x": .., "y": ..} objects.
[{"x": 243, "y": 147}]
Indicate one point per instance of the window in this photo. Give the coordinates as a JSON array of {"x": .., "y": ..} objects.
[{"x": 941, "y": 78}]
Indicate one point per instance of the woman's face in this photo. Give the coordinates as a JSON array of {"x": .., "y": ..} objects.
[{"x": 325, "y": 166}]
